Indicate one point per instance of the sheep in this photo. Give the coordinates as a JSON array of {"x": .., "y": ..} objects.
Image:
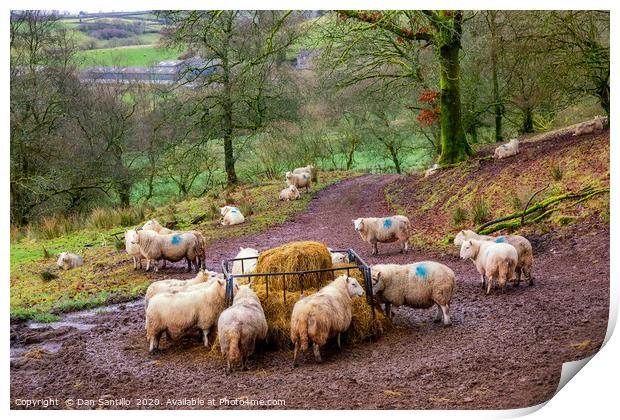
[
  {"x": 384, "y": 229},
  {"x": 171, "y": 247},
  {"x": 132, "y": 249},
  {"x": 338, "y": 257},
  {"x": 241, "y": 326},
  {"x": 521, "y": 244},
  {"x": 67, "y": 261},
  {"x": 290, "y": 193},
  {"x": 418, "y": 285},
  {"x": 589, "y": 127},
  {"x": 430, "y": 171},
  {"x": 310, "y": 169},
  {"x": 493, "y": 260},
  {"x": 231, "y": 215},
  {"x": 177, "y": 313},
  {"x": 154, "y": 225},
  {"x": 169, "y": 285},
  {"x": 248, "y": 265},
  {"x": 506, "y": 150},
  {"x": 322, "y": 315},
  {"x": 301, "y": 180}
]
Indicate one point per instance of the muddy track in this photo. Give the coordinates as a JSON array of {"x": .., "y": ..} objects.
[{"x": 503, "y": 350}]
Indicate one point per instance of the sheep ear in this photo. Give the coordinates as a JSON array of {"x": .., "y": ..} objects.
[{"x": 378, "y": 275}]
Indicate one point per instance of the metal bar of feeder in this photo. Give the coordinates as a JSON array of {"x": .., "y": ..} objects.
[{"x": 284, "y": 288}]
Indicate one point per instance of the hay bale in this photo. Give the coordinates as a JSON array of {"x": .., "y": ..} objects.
[
  {"x": 296, "y": 256},
  {"x": 363, "y": 326}
]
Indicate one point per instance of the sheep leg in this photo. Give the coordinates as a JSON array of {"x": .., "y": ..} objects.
[
  {"x": 317, "y": 352},
  {"x": 154, "y": 342},
  {"x": 295, "y": 363},
  {"x": 338, "y": 340},
  {"x": 528, "y": 274},
  {"x": 229, "y": 370},
  {"x": 489, "y": 283},
  {"x": 518, "y": 276},
  {"x": 148, "y": 264},
  {"x": 439, "y": 316},
  {"x": 244, "y": 362},
  {"x": 189, "y": 264},
  {"x": 135, "y": 263},
  {"x": 445, "y": 315},
  {"x": 205, "y": 337},
  {"x": 375, "y": 250},
  {"x": 388, "y": 310}
]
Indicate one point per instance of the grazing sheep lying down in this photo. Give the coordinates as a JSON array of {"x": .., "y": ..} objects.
[
  {"x": 231, "y": 216},
  {"x": 248, "y": 265},
  {"x": 170, "y": 285},
  {"x": 241, "y": 326},
  {"x": 310, "y": 169},
  {"x": 493, "y": 260},
  {"x": 418, "y": 285},
  {"x": 339, "y": 257},
  {"x": 155, "y": 226},
  {"x": 133, "y": 249},
  {"x": 172, "y": 247},
  {"x": 430, "y": 171},
  {"x": 521, "y": 244},
  {"x": 322, "y": 315},
  {"x": 589, "y": 127},
  {"x": 506, "y": 150},
  {"x": 67, "y": 261},
  {"x": 384, "y": 229},
  {"x": 177, "y": 313},
  {"x": 301, "y": 180},
  {"x": 290, "y": 193}
]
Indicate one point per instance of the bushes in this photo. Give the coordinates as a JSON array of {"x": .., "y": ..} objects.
[{"x": 479, "y": 210}]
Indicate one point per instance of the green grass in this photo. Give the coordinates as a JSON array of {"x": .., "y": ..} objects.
[
  {"x": 126, "y": 56},
  {"x": 107, "y": 274}
]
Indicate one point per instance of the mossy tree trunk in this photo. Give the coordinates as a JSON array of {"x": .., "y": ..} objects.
[{"x": 454, "y": 146}]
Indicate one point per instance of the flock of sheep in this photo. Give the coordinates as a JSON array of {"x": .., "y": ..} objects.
[{"x": 175, "y": 307}]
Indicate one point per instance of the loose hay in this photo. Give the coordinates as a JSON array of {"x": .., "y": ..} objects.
[{"x": 292, "y": 257}]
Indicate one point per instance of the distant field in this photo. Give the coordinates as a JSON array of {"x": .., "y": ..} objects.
[{"x": 126, "y": 56}]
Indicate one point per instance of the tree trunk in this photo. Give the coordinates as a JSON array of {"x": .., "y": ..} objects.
[
  {"x": 603, "y": 95},
  {"x": 394, "y": 156},
  {"x": 227, "y": 122},
  {"x": 454, "y": 146},
  {"x": 499, "y": 107},
  {"x": 528, "y": 121}
]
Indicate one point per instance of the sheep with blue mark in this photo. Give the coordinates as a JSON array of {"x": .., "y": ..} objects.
[
  {"x": 420, "y": 285},
  {"x": 310, "y": 169},
  {"x": 493, "y": 260},
  {"x": 506, "y": 150},
  {"x": 384, "y": 229},
  {"x": 302, "y": 180},
  {"x": 172, "y": 247},
  {"x": 155, "y": 226},
  {"x": 231, "y": 216},
  {"x": 67, "y": 261},
  {"x": 521, "y": 244}
]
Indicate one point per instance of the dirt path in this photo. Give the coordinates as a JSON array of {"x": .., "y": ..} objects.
[{"x": 503, "y": 350}]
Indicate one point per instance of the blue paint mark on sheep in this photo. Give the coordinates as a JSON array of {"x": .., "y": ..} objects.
[
  {"x": 176, "y": 239},
  {"x": 387, "y": 223},
  {"x": 500, "y": 240},
  {"x": 420, "y": 271},
  {"x": 234, "y": 210}
]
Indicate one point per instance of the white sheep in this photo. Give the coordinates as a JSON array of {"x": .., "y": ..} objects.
[
  {"x": 310, "y": 169},
  {"x": 133, "y": 249},
  {"x": 418, "y": 285},
  {"x": 170, "y": 285},
  {"x": 430, "y": 171},
  {"x": 384, "y": 229},
  {"x": 241, "y": 326},
  {"x": 172, "y": 247},
  {"x": 589, "y": 127},
  {"x": 322, "y": 315},
  {"x": 493, "y": 260},
  {"x": 302, "y": 180},
  {"x": 154, "y": 225},
  {"x": 506, "y": 150},
  {"x": 338, "y": 257},
  {"x": 179, "y": 312},
  {"x": 248, "y": 265},
  {"x": 290, "y": 193},
  {"x": 521, "y": 244},
  {"x": 231, "y": 215},
  {"x": 67, "y": 261}
]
